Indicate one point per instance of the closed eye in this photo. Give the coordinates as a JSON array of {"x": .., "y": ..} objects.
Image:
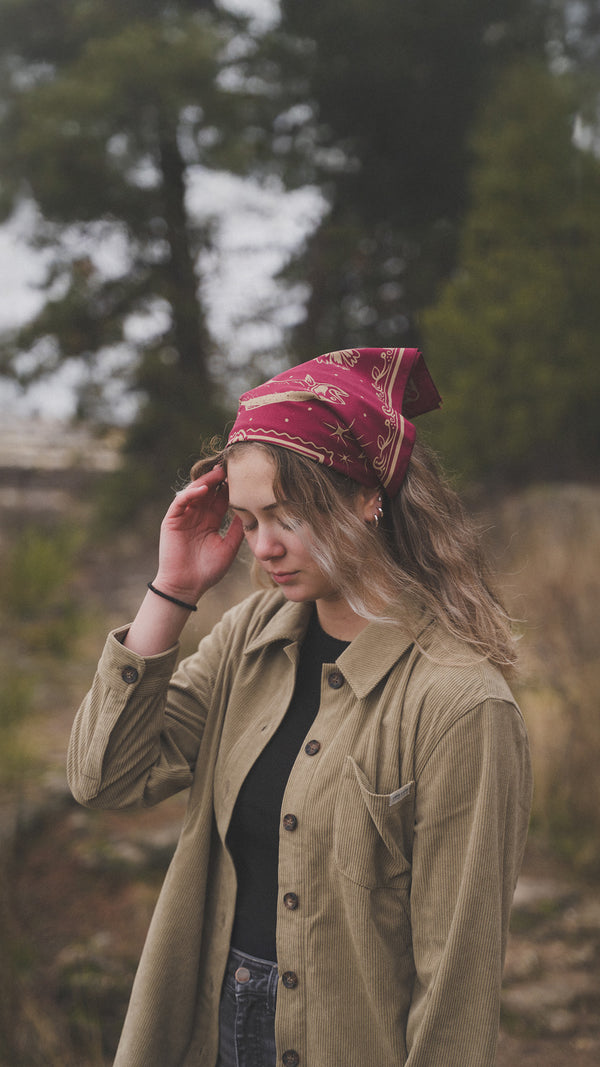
[
  {"x": 286, "y": 523},
  {"x": 248, "y": 527}
]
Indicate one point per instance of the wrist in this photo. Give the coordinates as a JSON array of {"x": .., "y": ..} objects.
[
  {"x": 181, "y": 590},
  {"x": 182, "y": 600}
]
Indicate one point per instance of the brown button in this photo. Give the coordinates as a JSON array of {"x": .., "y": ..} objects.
[
  {"x": 290, "y": 822},
  {"x": 312, "y": 748},
  {"x": 290, "y": 1058},
  {"x": 291, "y": 901},
  {"x": 289, "y": 979},
  {"x": 242, "y": 975},
  {"x": 336, "y": 679},
  {"x": 129, "y": 675}
]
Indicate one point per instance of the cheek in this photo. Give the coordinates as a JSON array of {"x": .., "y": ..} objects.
[
  {"x": 302, "y": 538},
  {"x": 300, "y": 545},
  {"x": 250, "y": 539}
]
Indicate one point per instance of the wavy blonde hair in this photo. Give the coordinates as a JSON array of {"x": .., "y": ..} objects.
[{"x": 426, "y": 551}]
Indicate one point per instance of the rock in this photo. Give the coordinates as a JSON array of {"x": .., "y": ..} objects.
[
  {"x": 148, "y": 849},
  {"x": 537, "y": 900},
  {"x": 550, "y": 1005},
  {"x": 522, "y": 962},
  {"x": 533, "y": 894},
  {"x": 584, "y": 916}
]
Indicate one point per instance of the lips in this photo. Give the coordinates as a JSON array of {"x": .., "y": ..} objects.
[{"x": 284, "y": 577}]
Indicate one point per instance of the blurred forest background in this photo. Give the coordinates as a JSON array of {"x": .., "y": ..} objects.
[{"x": 437, "y": 163}]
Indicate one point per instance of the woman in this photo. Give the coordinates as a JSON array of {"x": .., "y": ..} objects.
[{"x": 358, "y": 769}]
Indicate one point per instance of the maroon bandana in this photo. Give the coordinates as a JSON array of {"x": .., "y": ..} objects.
[{"x": 346, "y": 410}]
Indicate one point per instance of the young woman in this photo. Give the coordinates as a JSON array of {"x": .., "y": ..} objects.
[{"x": 358, "y": 769}]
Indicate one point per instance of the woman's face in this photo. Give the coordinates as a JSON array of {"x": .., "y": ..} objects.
[{"x": 278, "y": 547}]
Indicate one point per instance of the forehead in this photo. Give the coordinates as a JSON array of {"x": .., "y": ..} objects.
[{"x": 250, "y": 476}]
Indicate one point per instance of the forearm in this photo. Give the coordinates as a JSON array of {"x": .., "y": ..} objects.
[{"x": 157, "y": 625}]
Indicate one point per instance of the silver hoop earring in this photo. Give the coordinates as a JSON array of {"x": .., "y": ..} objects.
[{"x": 377, "y": 514}]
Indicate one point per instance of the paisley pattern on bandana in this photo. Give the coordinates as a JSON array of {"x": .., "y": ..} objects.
[
  {"x": 347, "y": 357},
  {"x": 348, "y": 410},
  {"x": 311, "y": 389}
]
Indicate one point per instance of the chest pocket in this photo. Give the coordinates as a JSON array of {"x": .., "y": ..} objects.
[{"x": 373, "y": 832}]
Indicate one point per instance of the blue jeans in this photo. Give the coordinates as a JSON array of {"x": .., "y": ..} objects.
[{"x": 247, "y": 1012}]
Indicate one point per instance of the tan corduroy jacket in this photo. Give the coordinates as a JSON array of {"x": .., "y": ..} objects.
[{"x": 411, "y": 797}]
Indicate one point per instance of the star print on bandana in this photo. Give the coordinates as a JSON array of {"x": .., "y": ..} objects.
[
  {"x": 348, "y": 410},
  {"x": 339, "y": 432}
]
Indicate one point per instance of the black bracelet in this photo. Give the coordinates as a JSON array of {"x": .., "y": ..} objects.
[{"x": 173, "y": 599}]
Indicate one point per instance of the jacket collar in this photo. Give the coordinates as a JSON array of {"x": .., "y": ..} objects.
[
  {"x": 288, "y": 623},
  {"x": 367, "y": 659},
  {"x": 379, "y": 647}
]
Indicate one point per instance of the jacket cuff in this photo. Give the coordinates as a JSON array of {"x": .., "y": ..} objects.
[{"x": 122, "y": 668}]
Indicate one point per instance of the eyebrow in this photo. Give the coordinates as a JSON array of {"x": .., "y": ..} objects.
[{"x": 269, "y": 507}]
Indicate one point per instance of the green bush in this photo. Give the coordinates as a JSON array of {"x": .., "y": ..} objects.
[
  {"x": 16, "y": 699},
  {"x": 37, "y": 597}
]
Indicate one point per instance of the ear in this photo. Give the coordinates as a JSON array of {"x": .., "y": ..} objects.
[{"x": 371, "y": 503}]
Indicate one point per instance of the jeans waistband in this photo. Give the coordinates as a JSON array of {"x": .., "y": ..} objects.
[{"x": 251, "y": 976}]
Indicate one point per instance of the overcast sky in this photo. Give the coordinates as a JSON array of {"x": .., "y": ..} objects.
[{"x": 258, "y": 227}]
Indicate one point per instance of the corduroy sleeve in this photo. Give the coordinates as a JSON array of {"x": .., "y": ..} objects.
[
  {"x": 472, "y": 807},
  {"x": 122, "y": 735},
  {"x": 136, "y": 736}
]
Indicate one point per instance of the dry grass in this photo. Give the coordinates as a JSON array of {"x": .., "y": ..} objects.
[{"x": 546, "y": 542}]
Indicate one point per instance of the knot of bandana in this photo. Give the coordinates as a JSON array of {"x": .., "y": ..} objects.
[{"x": 348, "y": 410}]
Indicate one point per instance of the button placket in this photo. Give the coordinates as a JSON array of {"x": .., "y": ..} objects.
[{"x": 291, "y": 980}]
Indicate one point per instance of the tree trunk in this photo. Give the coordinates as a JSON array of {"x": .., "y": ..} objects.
[{"x": 190, "y": 333}]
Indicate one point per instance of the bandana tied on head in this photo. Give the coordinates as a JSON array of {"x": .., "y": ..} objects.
[{"x": 347, "y": 410}]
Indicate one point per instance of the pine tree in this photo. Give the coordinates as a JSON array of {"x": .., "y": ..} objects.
[
  {"x": 107, "y": 107},
  {"x": 515, "y": 332},
  {"x": 386, "y": 93}
]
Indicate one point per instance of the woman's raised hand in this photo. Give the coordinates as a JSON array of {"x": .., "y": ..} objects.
[{"x": 193, "y": 555}]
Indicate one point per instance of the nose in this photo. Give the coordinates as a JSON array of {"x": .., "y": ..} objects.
[{"x": 267, "y": 544}]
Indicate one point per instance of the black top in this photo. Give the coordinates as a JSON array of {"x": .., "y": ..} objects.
[{"x": 253, "y": 836}]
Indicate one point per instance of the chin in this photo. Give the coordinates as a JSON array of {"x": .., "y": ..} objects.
[{"x": 299, "y": 596}]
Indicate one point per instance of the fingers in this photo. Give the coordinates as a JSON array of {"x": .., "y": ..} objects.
[
  {"x": 188, "y": 498},
  {"x": 235, "y": 535},
  {"x": 213, "y": 478},
  {"x": 200, "y": 491}
]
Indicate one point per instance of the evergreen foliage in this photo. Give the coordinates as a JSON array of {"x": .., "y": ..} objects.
[
  {"x": 389, "y": 91},
  {"x": 107, "y": 107},
  {"x": 515, "y": 331}
]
